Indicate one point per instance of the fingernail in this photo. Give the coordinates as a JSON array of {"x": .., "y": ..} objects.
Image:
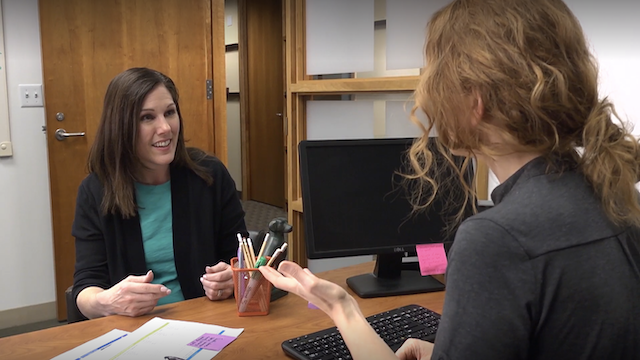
[{"x": 164, "y": 289}]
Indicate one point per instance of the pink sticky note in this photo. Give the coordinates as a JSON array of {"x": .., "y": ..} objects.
[
  {"x": 311, "y": 306},
  {"x": 432, "y": 259},
  {"x": 213, "y": 342}
]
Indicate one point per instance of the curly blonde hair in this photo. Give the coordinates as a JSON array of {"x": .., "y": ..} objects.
[{"x": 529, "y": 63}]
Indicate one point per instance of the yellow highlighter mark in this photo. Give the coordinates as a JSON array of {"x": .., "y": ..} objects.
[{"x": 136, "y": 343}]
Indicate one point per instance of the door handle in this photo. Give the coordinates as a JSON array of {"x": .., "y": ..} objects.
[{"x": 62, "y": 134}]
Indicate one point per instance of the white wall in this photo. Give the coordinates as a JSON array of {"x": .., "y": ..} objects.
[
  {"x": 26, "y": 245},
  {"x": 612, "y": 30},
  {"x": 234, "y": 140},
  {"x": 230, "y": 22}
]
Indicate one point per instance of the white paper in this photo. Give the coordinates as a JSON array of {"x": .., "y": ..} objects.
[
  {"x": 166, "y": 339},
  {"x": 339, "y": 36},
  {"x": 406, "y": 31},
  {"x": 94, "y": 349},
  {"x": 328, "y": 120}
]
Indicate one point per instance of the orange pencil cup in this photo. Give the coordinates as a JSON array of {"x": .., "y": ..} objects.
[{"x": 251, "y": 290}]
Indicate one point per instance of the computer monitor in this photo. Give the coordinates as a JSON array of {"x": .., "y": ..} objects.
[{"x": 354, "y": 204}]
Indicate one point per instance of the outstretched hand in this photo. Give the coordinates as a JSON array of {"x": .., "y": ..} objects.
[
  {"x": 363, "y": 342},
  {"x": 292, "y": 278},
  {"x": 133, "y": 296}
]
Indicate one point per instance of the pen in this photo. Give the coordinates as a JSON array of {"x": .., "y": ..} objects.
[
  {"x": 276, "y": 254},
  {"x": 240, "y": 265},
  {"x": 239, "y": 251},
  {"x": 254, "y": 284},
  {"x": 254, "y": 280},
  {"x": 274, "y": 257}
]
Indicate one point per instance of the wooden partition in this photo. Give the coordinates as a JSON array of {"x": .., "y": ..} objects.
[{"x": 299, "y": 88}]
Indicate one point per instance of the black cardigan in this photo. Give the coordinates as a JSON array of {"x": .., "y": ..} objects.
[{"x": 206, "y": 220}]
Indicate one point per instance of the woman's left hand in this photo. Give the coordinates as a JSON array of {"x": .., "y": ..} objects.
[{"x": 217, "y": 281}]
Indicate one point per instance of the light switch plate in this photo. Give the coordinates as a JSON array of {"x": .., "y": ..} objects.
[
  {"x": 31, "y": 95},
  {"x": 5, "y": 149}
]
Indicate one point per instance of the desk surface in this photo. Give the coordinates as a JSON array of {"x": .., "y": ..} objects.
[{"x": 289, "y": 317}]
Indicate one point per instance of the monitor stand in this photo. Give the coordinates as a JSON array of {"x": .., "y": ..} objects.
[{"x": 388, "y": 279}]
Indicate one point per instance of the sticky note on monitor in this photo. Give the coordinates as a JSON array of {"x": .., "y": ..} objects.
[{"x": 432, "y": 259}]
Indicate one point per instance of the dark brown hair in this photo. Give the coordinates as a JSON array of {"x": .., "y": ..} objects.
[
  {"x": 530, "y": 64},
  {"x": 113, "y": 156}
]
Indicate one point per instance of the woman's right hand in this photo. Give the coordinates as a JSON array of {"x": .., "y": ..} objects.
[
  {"x": 133, "y": 296},
  {"x": 322, "y": 293}
]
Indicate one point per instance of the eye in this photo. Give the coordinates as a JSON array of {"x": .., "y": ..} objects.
[
  {"x": 146, "y": 117},
  {"x": 170, "y": 113}
]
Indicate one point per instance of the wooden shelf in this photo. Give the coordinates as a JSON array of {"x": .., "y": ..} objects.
[
  {"x": 349, "y": 86},
  {"x": 296, "y": 205}
]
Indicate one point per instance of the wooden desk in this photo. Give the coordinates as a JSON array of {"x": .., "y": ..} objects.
[{"x": 289, "y": 317}]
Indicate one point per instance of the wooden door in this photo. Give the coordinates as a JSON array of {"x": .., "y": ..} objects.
[
  {"x": 85, "y": 43},
  {"x": 263, "y": 112}
]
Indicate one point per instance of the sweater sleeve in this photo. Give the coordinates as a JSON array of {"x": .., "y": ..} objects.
[
  {"x": 490, "y": 290},
  {"x": 232, "y": 215},
  {"x": 91, "y": 255}
]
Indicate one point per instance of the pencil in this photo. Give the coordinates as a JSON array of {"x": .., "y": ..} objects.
[
  {"x": 247, "y": 255},
  {"x": 253, "y": 254},
  {"x": 264, "y": 243}
]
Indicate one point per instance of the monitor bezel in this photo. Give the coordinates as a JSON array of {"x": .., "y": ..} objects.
[{"x": 312, "y": 253}]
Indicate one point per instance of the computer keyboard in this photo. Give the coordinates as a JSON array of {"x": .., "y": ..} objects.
[{"x": 393, "y": 326}]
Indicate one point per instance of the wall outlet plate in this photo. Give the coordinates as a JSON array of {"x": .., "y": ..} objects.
[{"x": 31, "y": 95}]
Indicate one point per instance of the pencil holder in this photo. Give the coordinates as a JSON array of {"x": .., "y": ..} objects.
[{"x": 251, "y": 290}]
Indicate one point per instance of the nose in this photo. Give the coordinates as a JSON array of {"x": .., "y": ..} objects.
[{"x": 163, "y": 125}]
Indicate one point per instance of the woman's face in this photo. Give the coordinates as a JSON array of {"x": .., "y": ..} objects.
[{"x": 158, "y": 129}]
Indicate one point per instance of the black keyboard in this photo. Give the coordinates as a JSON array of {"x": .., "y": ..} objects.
[{"x": 393, "y": 326}]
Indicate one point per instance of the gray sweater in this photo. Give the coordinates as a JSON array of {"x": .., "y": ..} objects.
[{"x": 542, "y": 275}]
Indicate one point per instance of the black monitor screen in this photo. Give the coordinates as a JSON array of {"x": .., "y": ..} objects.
[{"x": 354, "y": 202}]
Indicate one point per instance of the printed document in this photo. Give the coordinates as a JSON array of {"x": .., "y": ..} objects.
[
  {"x": 172, "y": 340},
  {"x": 93, "y": 350}
]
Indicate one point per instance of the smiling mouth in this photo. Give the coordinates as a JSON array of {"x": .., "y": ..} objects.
[{"x": 162, "y": 143}]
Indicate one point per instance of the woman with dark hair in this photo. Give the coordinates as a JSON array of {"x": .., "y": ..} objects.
[
  {"x": 552, "y": 271},
  {"x": 152, "y": 216}
]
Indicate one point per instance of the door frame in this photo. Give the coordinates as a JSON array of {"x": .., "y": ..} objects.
[
  {"x": 244, "y": 84},
  {"x": 243, "y": 69},
  {"x": 218, "y": 76}
]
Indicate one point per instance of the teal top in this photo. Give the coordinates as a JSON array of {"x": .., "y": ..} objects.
[{"x": 154, "y": 209}]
